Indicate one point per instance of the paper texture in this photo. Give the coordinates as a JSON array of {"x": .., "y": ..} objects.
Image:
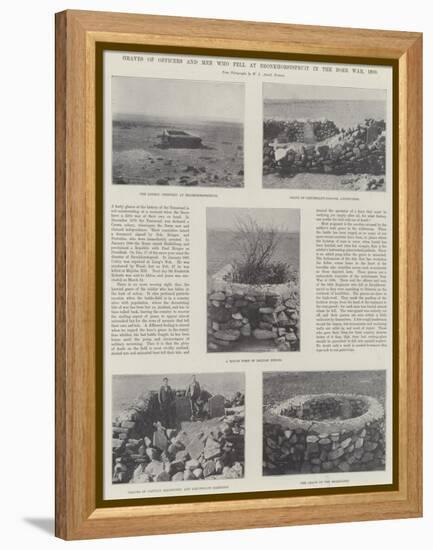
[{"x": 247, "y": 275}]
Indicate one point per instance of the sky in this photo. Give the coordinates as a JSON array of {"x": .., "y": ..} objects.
[
  {"x": 288, "y": 91},
  {"x": 284, "y": 219},
  {"x": 128, "y": 387},
  {"x": 195, "y": 99}
]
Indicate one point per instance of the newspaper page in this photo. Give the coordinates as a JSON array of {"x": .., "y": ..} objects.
[{"x": 247, "y": 275}]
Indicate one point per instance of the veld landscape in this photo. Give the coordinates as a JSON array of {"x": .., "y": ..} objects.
[
  {"x": 176, "y": 132},
  {"x": 138, "y": 156}
]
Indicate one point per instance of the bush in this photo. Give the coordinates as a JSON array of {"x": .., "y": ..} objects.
[
  {"x": 272, "y": 273},
  {"x": 256, "y": 246}
]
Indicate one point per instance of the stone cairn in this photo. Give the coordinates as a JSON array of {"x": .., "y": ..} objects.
[
  {"x": 144, "y": 451},
  {"x": 324, "y": 433},
  {"x": 240, "y": 312},
  {"x": 359, "y": 150}
]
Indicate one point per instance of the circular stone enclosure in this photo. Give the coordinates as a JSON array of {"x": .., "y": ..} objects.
[
  {"x": 324, "y": 433},
  {"x": 244, "y": 315}
]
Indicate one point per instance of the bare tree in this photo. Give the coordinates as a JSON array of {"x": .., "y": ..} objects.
[{"x": 256, "y": 245}]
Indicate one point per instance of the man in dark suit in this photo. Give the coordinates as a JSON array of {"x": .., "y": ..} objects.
[
  {"x": 193, "y": 391},
  {"x": 166, "y": 403}
]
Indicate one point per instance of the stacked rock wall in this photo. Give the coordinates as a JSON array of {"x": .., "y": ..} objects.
[
  {"x": 240, "y": 312},
  {"x": 298, "y": 130},
  {"x": 144, "y": 451},
  {"x": 360, "y": 150},
  {"x": 324, "y": 433}
]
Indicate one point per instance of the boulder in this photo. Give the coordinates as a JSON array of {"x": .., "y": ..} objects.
[
  {"x": 117, "y": 443},
  {"x": 176, "y": 466},
  {"x": 246, "y": 330},
  {"x": 192, "y": 464},
  {"x": 141, "y": 478},
  {"x": 359, "y": 443},
  {"x": 128, "y": 424},
  {"x": 154, "y": 468},
  {"x": 212, "y": 449},
  {"x": 228, "y": 335},
  {"x": 209, "y": 468},
  {"x": 218, "y": 466},
  {"x": 370, "y": 446},
  {"x": 152, "y": 453},
  {"x": 218, "y": 296},
  {"x": 195, "y": 447},
  {"x": 344, "y": 467},
  {"x": 188, "y": 475},
  {"x": 262, "y": 334},
  {"x": 237, "y": 469},
  {"x": 346, "y": 442},
  {"x": 182, "y": 456},
  {"x": 162, "y": 476},
  {"x": 333, "y": 455},
  {"x": 197, "y": 473}
]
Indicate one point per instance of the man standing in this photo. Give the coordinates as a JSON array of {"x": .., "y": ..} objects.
[
  {"x": 166, "y": 403},
  {"x": 193, "y": 391}
]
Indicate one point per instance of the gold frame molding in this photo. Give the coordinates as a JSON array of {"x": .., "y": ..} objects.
[{"x": 81, "y": 37}]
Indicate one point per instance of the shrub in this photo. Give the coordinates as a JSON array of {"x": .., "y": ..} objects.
[
  {"x": 256, "y": 246},
  {"x": 273, "y": 273}
]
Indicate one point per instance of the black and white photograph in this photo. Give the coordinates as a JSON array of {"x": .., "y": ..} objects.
[
  {"x": 177, "y": 132},
  {"x": 324, "y": 137},
  {"x": 178, "y": 427},
  {"x": 253, "y": 279},
  {"x": 323, "y": 422}
]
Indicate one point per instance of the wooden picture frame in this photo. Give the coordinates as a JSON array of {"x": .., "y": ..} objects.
[{"x": 79, "y": 511}]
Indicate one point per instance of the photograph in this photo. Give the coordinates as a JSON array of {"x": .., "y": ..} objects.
[
  {"x": 177, "y": 132},
  {"x": 324, "y": 137},
  {"x": 178, "y": 427},
  {"x": 323, "y": 422},
  {"x": 253, "y": 279}
]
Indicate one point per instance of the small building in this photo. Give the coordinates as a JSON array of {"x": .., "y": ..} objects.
[{"x": 180, "y": 139}]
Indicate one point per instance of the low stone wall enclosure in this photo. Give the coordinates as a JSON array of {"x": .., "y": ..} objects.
[
  {"x": 359, "y": 150},
  {"x": 145, "y": 451},
  {"x": 238, "y": 313},
  {"x": 324, "y": 433},
  {"x": 299, "y": 130}
]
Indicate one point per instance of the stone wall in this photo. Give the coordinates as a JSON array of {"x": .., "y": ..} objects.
[
  {"x": 324, "y": 433},
  {"x": 240, "y": 312},
  {"x": 144, "y": 451},
  {"x": 298, "y": 130},
  {"x": 359, "y": 150}
]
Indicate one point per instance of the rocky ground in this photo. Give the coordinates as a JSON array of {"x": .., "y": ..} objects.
[
  {"x": 209, "y": 449},
  {"x": 348, "y": 182},
  {"x": 352, "y": 158},
  {"x": 138, "y": 157}
]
